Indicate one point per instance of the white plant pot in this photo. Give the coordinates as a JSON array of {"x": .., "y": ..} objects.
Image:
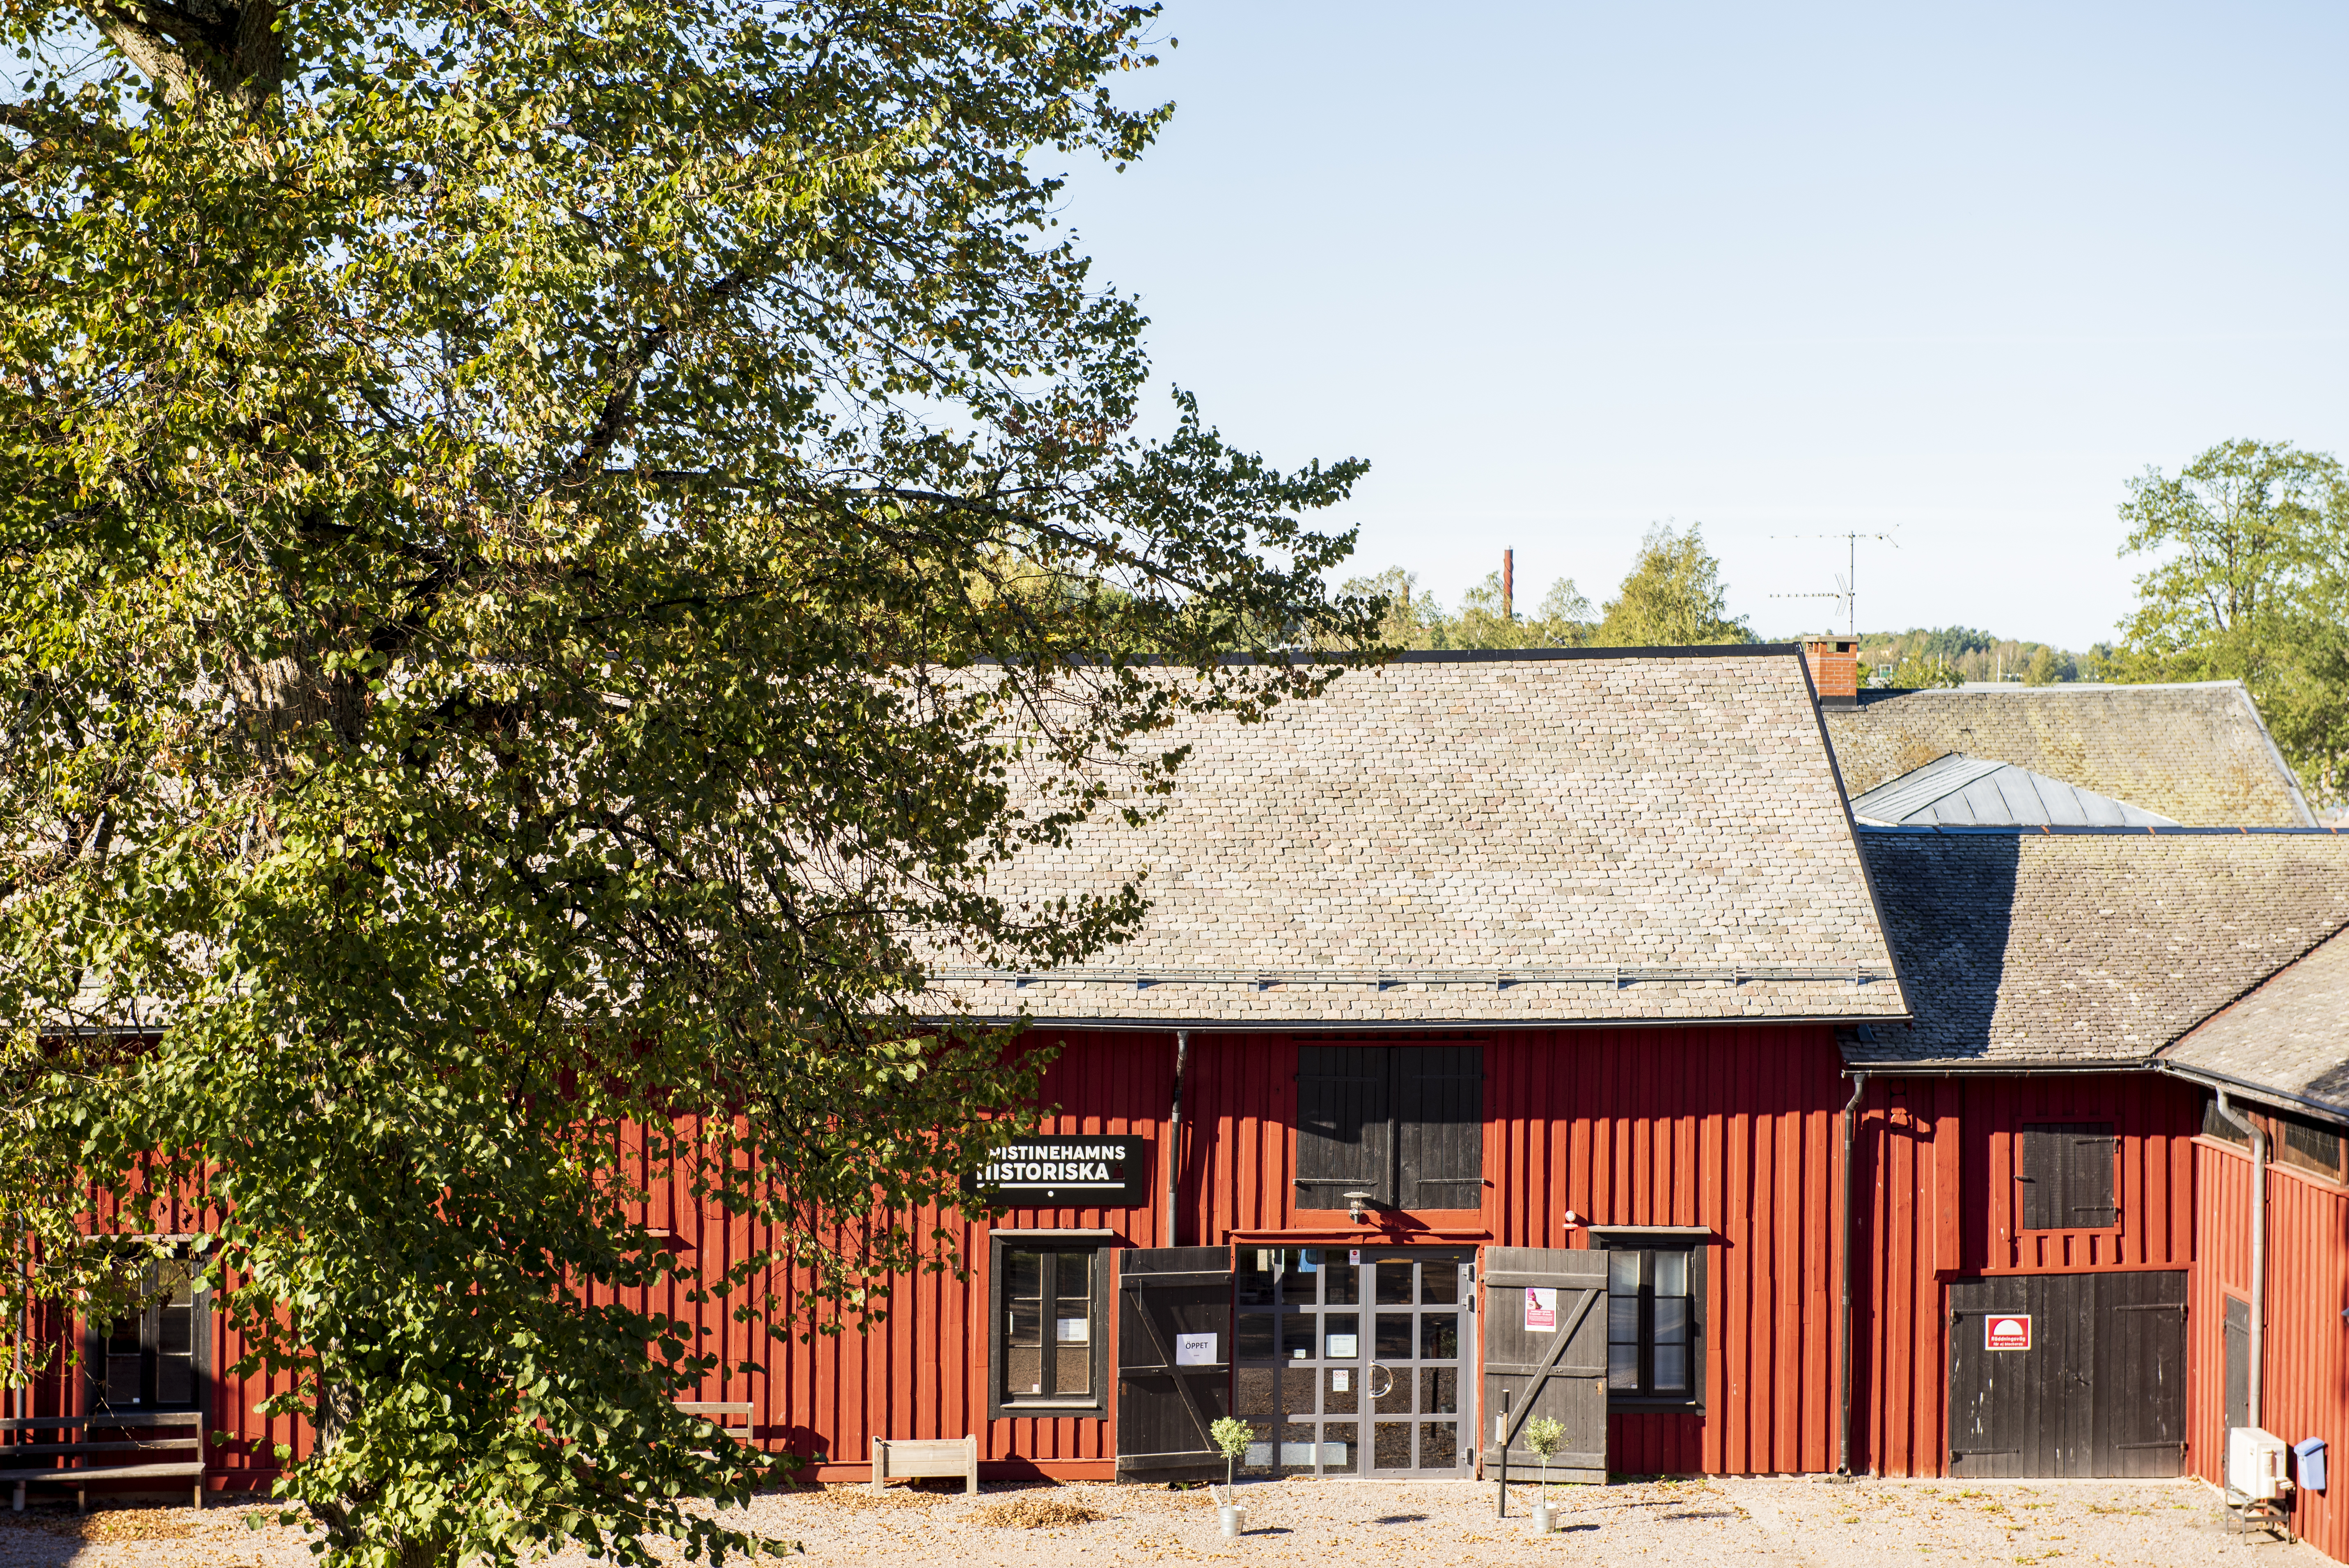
[
  {"x": 1232, "y": 1516},
  {"x": 1542, "y": 1525}
]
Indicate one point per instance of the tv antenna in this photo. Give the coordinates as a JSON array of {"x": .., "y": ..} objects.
[{"x": 1847, "y": 582}]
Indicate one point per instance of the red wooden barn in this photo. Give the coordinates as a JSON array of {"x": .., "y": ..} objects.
[{"x": 1540, "y": 1034}]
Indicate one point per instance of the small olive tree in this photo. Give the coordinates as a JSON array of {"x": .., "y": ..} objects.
[
  {"x": 1231, "y": 1438},
  {"x": 1543, "y": 1436}
]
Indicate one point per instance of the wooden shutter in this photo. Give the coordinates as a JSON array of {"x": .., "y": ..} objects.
[
  {"x": 1165, "y": 1407},
  {"x": 1440, "y": 1101},
  {"x": 2067, "y": 1175},
  {"x": 1560, "y": 1372},
  {"x": 1344, "y": 1141}
]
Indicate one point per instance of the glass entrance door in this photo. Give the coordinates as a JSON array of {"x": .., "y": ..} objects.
[{"x": 1349, "y": 1360}]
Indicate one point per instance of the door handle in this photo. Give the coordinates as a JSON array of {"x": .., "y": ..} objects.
[{"x": 1381, "y": 1392}]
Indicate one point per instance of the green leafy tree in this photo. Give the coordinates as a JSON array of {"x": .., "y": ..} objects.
[
  {"x": 550, "y": 554},
  {"x": 1672, "y": 597},
  {"x": 1562, "y": 620},
  {"x": 2248, "y": 584},
  {"x": 1231, "y": 1436}
]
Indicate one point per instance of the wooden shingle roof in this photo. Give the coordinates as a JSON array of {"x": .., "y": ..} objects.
[
  {"x": 2288, "y": 1037},
  {"x": 2195, "y": 753},
  {"x": 2021, "y": 946},
  {"x": 1580, "y": 836}
]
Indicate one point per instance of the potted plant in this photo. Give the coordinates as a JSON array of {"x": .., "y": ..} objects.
[
  {"x": 1543, "y": 1436},
  {"x": 1231, "y": 1439}
]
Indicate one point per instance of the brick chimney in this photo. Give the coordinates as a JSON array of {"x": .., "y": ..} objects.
[{"x": 1835, "y": 671}]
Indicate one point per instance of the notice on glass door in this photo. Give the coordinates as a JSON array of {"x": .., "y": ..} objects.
[{"x": 1541, "y": 1310}]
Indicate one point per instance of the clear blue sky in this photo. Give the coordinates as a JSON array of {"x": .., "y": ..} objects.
[{"x": 1560, "y": 271}]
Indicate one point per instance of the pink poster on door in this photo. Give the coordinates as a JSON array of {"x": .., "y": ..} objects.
[{"x": 1541, "y": 1310}]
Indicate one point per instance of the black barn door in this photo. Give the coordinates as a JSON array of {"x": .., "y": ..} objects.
[
  {"x": 1174, "y": 1361},
  {"x": 2100, "y": 1392},
  {"x": 1546, "y": 1354}
]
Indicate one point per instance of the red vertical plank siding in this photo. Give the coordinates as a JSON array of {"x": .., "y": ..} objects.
[
  {"x": 1736, "y": 1129},
  {"x": 1936, "y": 1159},
  {"x": 2306, "y": 1393}
]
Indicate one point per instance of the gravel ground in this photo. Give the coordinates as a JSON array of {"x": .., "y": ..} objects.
[{"x": 1799, "y": 1522}]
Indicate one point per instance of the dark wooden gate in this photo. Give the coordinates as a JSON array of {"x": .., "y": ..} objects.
[
  {"x": 1165, "y": 1402},
  {"x": 1558, "y": 1372},
  {"x": 2100, "y": 1392}
]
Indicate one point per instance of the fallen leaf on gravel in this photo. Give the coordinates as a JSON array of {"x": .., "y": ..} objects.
[{"x": 1031, "y": 1511}]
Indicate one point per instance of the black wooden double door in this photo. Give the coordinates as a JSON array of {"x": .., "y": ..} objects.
[
  {"x": 2100, "y": 1390},
  {"x": 1354, "y": 1361}
]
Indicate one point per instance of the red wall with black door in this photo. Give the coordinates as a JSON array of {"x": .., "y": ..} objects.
[{"x": 1936, "y": 1161}]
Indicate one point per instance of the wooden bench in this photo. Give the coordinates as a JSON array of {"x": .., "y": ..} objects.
[
  {"x": 909, "y": 1459},
  {"x": 80, "y": 1475},
  {"x": 712, "y": 1410}
]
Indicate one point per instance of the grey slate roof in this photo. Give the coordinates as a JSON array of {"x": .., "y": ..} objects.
[
  {"x": 2195, "y": 753},
  {"x": 2021, "y": 946},
  {"x": 1486, "y": 840},
  {"x": 1960, "y": 791},
  {"x": 2290, "y": 1037}
]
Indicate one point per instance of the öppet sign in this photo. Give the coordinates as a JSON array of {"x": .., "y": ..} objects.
[{"x": 2007, "y": 1331}]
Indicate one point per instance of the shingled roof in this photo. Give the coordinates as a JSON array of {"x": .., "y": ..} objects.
[
  {"x": 2286, "y": 1038},
  {"x": 2088, "y": 946},
  {"x": 2195, "y": 753},
  {"x": 1554, "y": 836}
]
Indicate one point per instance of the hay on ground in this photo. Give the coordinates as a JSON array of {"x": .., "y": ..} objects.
[{"x": 1037, "y": 1510}]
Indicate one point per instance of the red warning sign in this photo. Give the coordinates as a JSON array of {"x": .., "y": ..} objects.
[{"x": 2007, "y": 1331}]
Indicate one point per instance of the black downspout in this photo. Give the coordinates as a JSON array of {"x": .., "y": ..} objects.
[
  {"x": 1851, "y": 1239},
  {"x": 1173, "y": 1156}
]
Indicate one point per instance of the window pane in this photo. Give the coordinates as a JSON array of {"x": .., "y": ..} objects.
[
  {"x": 1341, "y": 1390},
  {"x": 1623, "y": 1367},
  {"x": 1394, "y": 1336},
  {"x": 1622, "y": 1320},
  {"x": 1023, "y": 1372},
  {"x": 1439, "y": 1390},
  {"x": 1438, "y": 1283},
  {"x": 1253, "y": 1339},
  {"x": 1439, "y": 1336},
  {"x": 1394, "y": 1282},
  {"x": 1671, "y": 1320},
  {"x": 1023, "y": 1275},
  {"x": 1672, "y": 1273},
  {"x": 1072, "y": 1370},
  {"x": 1391, "y": 1390},
  {"x": 1390, "y": 1446},
  {"x": 1072, "y": 1273},
  {"x": 1672, "y": 1370},
  {"x": 1338, "y": 1444},
  {"x": 1297, "y": 1331},
  {"x": 1341, "y": 1335},
  {"x": 121, "y": 1386},
  {"x": 1024, "y": 1323},
  {"x": 1297, "y": 1276},
  {"x": 1623, "y": 1272},
  {"x": 1253, "y": 1392},
  {"x": 1297, "y": 1391},
  {"x": 175, "y": 1380},
  {"x": 175, "y": 1330},
  {"x": 1255, "y": 1283},
  {"x": 1439, "y": 1445},
  {"x": 1341, "y": 1283}
]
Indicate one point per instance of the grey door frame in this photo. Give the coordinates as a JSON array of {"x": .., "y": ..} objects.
[{"x": 1366, "y": 1372}]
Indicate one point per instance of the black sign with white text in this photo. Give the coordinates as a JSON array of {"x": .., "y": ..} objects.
[{"x": 1100, "y": 1172}]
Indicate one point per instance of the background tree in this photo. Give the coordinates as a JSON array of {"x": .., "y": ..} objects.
[
  {"x": 1414, "y": 618},
  {"x": 1674, "y": 596},
  {"x": 2248, "y": 584},
  {"x": 550, "y": 553}
]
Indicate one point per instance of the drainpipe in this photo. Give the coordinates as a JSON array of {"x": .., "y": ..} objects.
[
  {"x": 1850, "y": 1227},
  {"x": 1173, "y": 1156},
  {"x": 2259, "y": 1248}
]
